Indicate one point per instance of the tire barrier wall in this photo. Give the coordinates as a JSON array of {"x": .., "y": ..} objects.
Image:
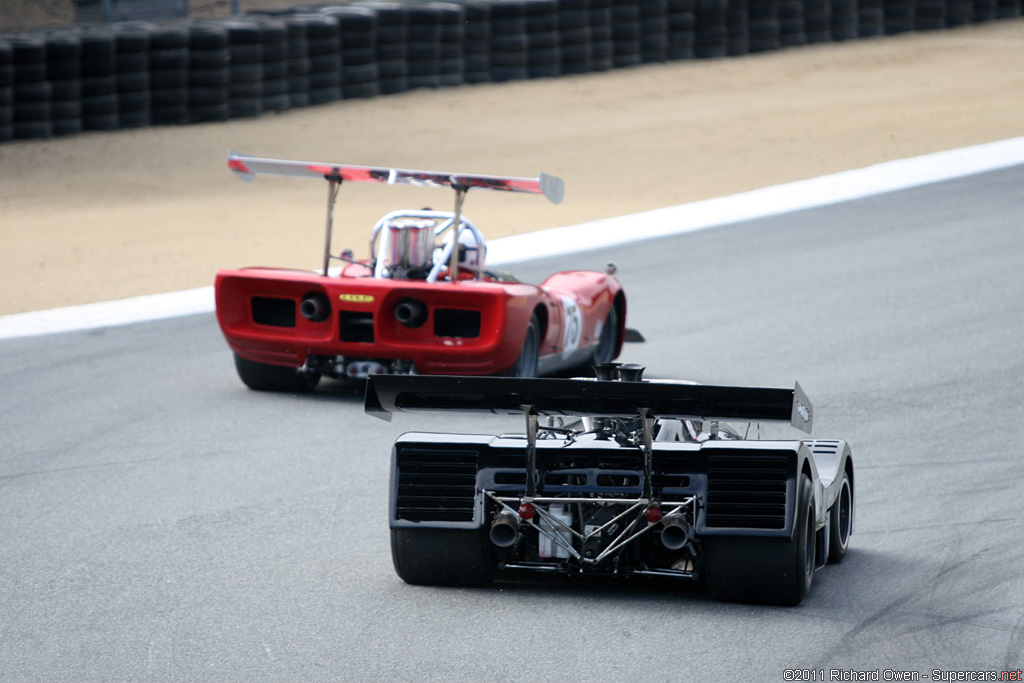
[{"x": 83, "y": 77}]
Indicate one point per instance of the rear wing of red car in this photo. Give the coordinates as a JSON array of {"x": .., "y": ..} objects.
[
  {"x": 247, "y": 168},
  {"x": 386, "y": 394}
]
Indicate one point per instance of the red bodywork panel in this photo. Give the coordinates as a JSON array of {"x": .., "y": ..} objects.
[{"x": 470, "y": 327}]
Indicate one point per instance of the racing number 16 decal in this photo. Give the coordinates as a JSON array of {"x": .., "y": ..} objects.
[{"x": 572, "y": 327}]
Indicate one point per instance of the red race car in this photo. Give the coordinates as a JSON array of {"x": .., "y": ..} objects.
[{"x": 423, "y": 303}]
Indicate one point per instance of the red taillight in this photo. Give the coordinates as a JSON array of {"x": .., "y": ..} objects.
[
  {"x": 653, "y": 514},
  {"x": 526, "y": 511}
]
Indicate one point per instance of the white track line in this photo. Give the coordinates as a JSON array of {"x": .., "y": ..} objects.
[{"x": 674, "y": 220}]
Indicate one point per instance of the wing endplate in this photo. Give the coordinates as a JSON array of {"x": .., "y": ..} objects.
[
  {"x": 386, "y": 394},
  {"x": 247, "y": 167}
]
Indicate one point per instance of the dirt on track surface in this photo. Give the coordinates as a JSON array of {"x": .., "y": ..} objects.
[{"x": 103, "y": 216}]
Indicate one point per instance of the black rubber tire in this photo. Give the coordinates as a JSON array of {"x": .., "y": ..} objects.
[
  {"x": 759, "y": 570},
  {"x": 840, "y": 522},
  {"x": 443, "y": 557},
  {"x": 264, "y": 377},
  {"x": 245, "y": 107},
  {"x": 169, "y": 59},
  {"x": 526, "y": 363},
  {"x": 68, "y": 126},
  {"x": 28, "y": 130},
  {"x": 608, "y": 343}
]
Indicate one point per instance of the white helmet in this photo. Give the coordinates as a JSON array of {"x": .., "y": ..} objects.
[{"x": 472, "y": 252}]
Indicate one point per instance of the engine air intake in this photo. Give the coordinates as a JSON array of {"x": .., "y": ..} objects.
[
  {"x": 436, "y": 484},
  {"x": 747, "y": 491},
  {"x": 269, "y": 310}
]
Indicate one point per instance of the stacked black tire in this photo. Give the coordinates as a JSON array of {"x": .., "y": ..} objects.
[
  {"x": 452, "y": 65},
  {"x": 132, "y": 74},
  {"x": 391, "y": 37},
  {"x": 509, "y": 44},
  {"x": 871, "y": 18},
  {"x": 626, "y": 33},
  {"x": 681, "y": 23},
  {"x": 168, "y": 74},
  {"x": 737, "y": 21},
  {"x": 844, "y": 20},
  {"x": 653, "y": 31},
  {"x": 476, "y": 42},
  {"x": 959, "y": 12},
  {"x": 711, "y": 29},
  {"x": 818, "y": 21},
  {"x": 6, "y": 91},
  {"x": 297, "y": 61},
  {"x": 929, "y": 15},
  {"x": 32, "y": 94},
  {"x": 132, "y": 48},
  {"x": 357, "y": 31},
  {"x": 544, "y": 53},
  {"x": 63, "y": 68},
  {"x": 1008, "y": 9},
  {"x": 763, "y": 25},
  {"x": 209, "y": 73},
  {"x": 574, "y": 36},
  {"x": 791, "y": 23},
  {"x": 424, "y": 46},
  {"x": 602, "y": 36},
  {"x": 244, "y": 68},
  {"x": 100, "y": 102},
  {"x": 324, "y": 58}
]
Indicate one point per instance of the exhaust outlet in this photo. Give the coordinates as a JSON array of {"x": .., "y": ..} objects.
[
  {"x": 315, "y": 307},
  {"x": 607, "y": 371},
  {"x": 505, "y": 529},
  {"x": 411, "y": 312},
  {"x": 676, "y": 534},
  {"x": 631, "y": 372}
]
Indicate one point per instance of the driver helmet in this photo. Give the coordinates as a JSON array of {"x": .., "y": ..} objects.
[{"x": 472, "y": 253}]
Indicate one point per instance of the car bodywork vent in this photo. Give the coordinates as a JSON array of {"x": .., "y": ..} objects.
[
  {"x": 356, "y": 326},
  {"x": 456, "y": 322},
  {"x": 436, "y": 484},
  {"x": 747, "y": 490},
  {"x": 823, "y": 447},
  {"x": 269, "y": 310}
]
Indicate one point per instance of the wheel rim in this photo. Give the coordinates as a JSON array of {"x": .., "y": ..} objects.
[{"x": 845, "y": 514}]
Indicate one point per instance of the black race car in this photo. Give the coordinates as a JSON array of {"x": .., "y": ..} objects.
[{"x": 616, "y": 476}]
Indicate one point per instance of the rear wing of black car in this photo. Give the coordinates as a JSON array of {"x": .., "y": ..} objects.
[{"x": 386, "y": 394}]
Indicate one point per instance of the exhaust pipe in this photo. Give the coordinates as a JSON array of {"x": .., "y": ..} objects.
[
  {"x": 505, "y": 529},
  {"x": 315, "y": 307},
  {"x": 631, "y": 372},
  {"x": 411, "y": 312},
  {"x": 607, "y": 371},
  {"x": 677, "y": 533}
]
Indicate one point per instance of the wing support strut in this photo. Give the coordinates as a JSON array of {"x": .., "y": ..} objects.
[
  {"x": 531, "y": 452},
  {"x": 333, "y": 185},
  {"x": 453, "y": 266}
]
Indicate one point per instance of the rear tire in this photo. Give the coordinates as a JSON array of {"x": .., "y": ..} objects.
[
  {"x": 526, "y": 363},
  {"x": 265, "y": 377},
  {"x": 840, "y": 522},
  {"x": 607, "y": 345},
  {"x": 774, "y": 571},
  {"x": 442, "y": 557}
]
